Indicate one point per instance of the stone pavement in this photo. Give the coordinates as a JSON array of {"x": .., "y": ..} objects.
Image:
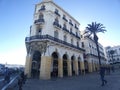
[{"x": 89, "y": 81}]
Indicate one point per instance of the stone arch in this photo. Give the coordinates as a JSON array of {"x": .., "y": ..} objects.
[
  {"x": 65, "y": 65},
  {"x": 55, "y": 57},
  {"x": 36, "y": 63}
]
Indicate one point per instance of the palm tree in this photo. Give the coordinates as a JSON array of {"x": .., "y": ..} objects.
[{"x": 93, "y": 29}]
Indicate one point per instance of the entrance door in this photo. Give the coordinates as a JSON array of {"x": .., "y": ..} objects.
[{"x": 36, "y": 61}]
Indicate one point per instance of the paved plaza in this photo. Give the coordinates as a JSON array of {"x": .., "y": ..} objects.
[{"x": 89, "y": 81}]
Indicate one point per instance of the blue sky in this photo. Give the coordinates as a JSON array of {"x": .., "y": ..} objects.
[{"x": 16, "y": 16}]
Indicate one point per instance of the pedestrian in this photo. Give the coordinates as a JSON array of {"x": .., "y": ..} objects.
[
  {"x": 7, "y": 75},
  {"x": 102, "y": 74},
  {"x": 20, "y": 83}
]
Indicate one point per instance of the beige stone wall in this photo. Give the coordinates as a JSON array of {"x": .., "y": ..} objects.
[
  {"x": 45, "y": 67},
  {"x": 28, "y": 66}
]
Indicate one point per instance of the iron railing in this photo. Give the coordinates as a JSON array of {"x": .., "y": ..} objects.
[{"x": 41, "y": 37}]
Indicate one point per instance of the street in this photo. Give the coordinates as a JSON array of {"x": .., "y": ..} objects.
[{"x": 89, "y": 81}]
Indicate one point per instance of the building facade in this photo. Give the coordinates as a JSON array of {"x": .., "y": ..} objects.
[
  {"x": 91, "y": 60},
  {"x": 54, "y": 45},
  {"x": 113, "y": 58}
]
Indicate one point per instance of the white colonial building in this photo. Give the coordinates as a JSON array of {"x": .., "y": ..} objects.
[
  {"x": 54, "y": 45},
  {"x": 115, "y": 58},
  {"x": 91, "y": 60}
]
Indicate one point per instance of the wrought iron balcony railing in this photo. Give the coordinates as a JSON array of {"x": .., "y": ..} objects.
[
  {"x": 65, "y": 19},
  {"x": 42, "y": 9},
  {"x": 65, "y": 29},
  {"x": 57, "y": 24},
  {"x": 70, "y": 23},
  {"x": 39, "y": 21},
  {"x": 42, "y": 37},
  {"x": 57, "y": 13}
]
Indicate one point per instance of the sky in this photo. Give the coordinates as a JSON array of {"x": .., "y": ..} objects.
[{"x": 16, "y": 16}]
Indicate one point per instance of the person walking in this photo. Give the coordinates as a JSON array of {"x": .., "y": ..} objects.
[{"x": 102, "y": 74}]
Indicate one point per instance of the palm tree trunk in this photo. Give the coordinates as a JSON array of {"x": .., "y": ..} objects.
[{"x": 97, "y": 46}]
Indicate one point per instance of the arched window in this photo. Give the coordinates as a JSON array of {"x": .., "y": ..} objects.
[{"x": 56, "y": 34}]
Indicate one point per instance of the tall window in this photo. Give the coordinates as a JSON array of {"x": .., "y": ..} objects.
[
  {"x": 56, "y": 20},
  {"x": 70, "y": 29},
  {"x": 77, "y": 44},
  {"x": 65, "y": 38},
  {"x": 71, "y": 41},
  {"x": 56, "y": 34},
  {"x": 41, "y": 16},
  {"x": 43, "y": 7},
  {"x": 40, "y": 31},
  {"x": 64, "y": 25}
]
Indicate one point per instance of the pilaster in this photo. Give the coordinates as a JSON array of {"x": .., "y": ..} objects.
[
  {"x": 28, "y": 66},
  {"x": 76, "y": 67},
  {"x": 45, "y": 67},
  {"x": 69, "y": 68},
  {"x": 60, "y": 67},
  {"x": 82, "y": 66}
]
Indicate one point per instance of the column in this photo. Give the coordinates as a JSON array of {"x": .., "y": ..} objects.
[
  {"x": 89, "y": 67},
  {"x": 45, "y": 67},
  {"x": 82, "y": 67},
  {"x": 69, "y": 68},
  {"x": 60, "y": 67},
  {"x": 76, "y": 67},
  {"x": 28, "y": 65}
]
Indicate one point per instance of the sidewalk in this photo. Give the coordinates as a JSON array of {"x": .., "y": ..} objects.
[{"x": 87, "y": 82}]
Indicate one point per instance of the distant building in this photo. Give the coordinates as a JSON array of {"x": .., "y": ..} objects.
[
  {"x": 91, "y": 60},
  {"x": 2, "y": 66},
  {"x": 113, "y": 58},
  {"x": 54, "y": 45}
]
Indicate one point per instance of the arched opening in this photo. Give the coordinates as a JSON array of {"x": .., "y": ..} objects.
[
  {"x": 79, "y": 69},
  {"x": 54, "y": 72},
  {"x": 86, "y": 66},
  {"x": 72, "y": 65},
  {"x": 36, "y": 62},
  {"x": 65, "y": 69}
]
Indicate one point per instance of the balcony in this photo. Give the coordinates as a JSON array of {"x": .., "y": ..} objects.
[
  {"x": 71, "y": 23},
  {"x": 77, "y": 36},
  {"x": 56, "y": 24},
  {"x": 65, "y": 19},
  {"x": 65, "y": 29},
  {"x": 72, "y": 34},
  {"x": 48, "y": 37},
  {"x": 57, "y": 13},
  {"x": 39, "y": 21},
  {"x": 42, "y": 9},
  {"x": 76, "y": 27}
]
